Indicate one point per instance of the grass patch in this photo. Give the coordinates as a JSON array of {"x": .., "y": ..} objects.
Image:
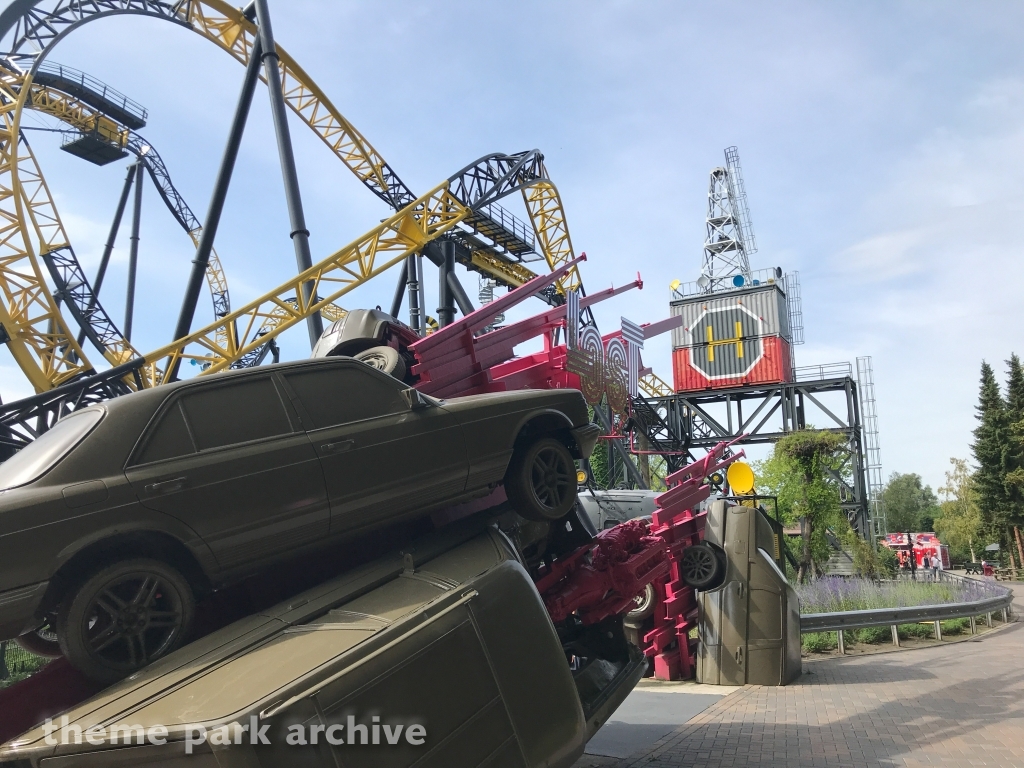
[{"x": 19, "y": 664}]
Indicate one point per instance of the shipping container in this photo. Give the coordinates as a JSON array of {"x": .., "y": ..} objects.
[
  {"x": 761, "y": 310},
  {"x": 738, "y": 362}
]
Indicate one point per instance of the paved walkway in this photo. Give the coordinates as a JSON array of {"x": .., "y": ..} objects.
[{"x": 955, "y": 704}]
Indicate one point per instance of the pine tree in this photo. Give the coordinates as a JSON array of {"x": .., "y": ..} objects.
[
  {"x": 989, "y": 440},
  {"x": 1013, "y": 446}
]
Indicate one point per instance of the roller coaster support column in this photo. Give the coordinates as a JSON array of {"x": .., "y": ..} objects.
[
  {"x": 220, "y": 191},
  {"x": 617, "y": 449},
  {"x": 459, "y": 293},
  {"x": 445, "y": 304},
  {"x": 403, "y": 278},
  {"x": 109, "y": 247},
  {"x": 133, "y": 258},
  {"x": 300, "y": 235},
  {"x": 414, "y": 270}
]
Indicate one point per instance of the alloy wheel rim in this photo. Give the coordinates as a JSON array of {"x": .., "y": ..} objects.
[
  {"x": 377, "y": 361},
  {"x": 698, "y": 564},
  {"x": 552, "y": 477},
  {"x": 133, "y": 619}
]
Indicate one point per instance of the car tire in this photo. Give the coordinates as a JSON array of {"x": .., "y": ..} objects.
[
  {"x": 42, "y": 642},
  {"x": 385, "y": 359},
  {"x": 541, "y": 480},
  {"x": 645, "y": 602},
  {"x": 702, "y": 567},
  {"x": 124, "y": 617}
]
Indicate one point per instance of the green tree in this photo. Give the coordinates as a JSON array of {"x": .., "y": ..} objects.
[
  {"x": 906, "y": 502},
  {"x": 799, "y": 473},
  {"x": 960, "y": 521},
  {"x": 1013, "y": 444},
  {"x": 865, "y": 560},
  {"x": 989, "y": 444}
]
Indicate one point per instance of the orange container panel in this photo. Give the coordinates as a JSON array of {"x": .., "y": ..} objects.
[{"x": 744, "y": 362}]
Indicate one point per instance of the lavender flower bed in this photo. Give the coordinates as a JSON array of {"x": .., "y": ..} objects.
[{"x": 831, "y": 594}]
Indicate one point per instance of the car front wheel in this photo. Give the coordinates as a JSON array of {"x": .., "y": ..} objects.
[
  {"x": 124, "y": 617},
  {"x": 541, "y": 480}
]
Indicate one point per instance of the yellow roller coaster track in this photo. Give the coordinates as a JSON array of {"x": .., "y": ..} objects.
[
  {"x": 41, "y": 341},
  {"x": 73, "y": 112}
]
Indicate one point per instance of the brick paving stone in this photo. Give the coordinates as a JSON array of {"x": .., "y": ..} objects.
[{"x": 956, "y": 704}]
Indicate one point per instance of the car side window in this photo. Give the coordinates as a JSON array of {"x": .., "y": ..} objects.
[
  {"x": 340, "y": 394},
  {"x": 235, "y": 413},
  {"x": 169, "y": 438}
]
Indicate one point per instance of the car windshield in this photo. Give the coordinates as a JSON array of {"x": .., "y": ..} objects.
[{"x": 32, "y": 461}]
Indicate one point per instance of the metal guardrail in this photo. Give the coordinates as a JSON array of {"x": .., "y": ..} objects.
[{"x": 884, "y": 617}]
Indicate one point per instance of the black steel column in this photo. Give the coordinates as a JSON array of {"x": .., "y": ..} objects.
[
  {"x": 463, "y": 300},
  {"x": 445, "y": 303},
  {"x": 220, "y": 191},
  {"x": 133, "y": 259},
  {"x": 415, "y": 307},
  {"x": 109, "y": 247},
  {"x": 396, "y": 302},
  {"x": 632, "y": 473},
  {"x": 299, "y": 234}
]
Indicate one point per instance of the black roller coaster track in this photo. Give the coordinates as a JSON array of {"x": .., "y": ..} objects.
[
  {"x": 39, "y": 25},
  {"x": 34, "y": 27},
  {"x": 74, "y": 288}
]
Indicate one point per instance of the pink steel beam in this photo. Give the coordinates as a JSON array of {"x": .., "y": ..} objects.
[{"x": 455, "y": 362}]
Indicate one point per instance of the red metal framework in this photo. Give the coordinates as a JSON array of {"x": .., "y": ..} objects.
[{"x": 603, "y": 578}]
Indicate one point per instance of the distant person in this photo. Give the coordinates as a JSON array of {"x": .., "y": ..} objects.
[
  {"x": 913, "y": 566},
  {"x": 925, "y": 564},
  {"x": 936, "y": 567}
]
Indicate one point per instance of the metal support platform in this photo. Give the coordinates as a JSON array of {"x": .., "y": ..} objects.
[{"x": 766, "y": 413}]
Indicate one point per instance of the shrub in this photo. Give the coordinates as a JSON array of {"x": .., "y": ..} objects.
[
  {"x": 887, "y": 563},
  {"x": 832, "y": 593},
  {"x": 874, "y": 635},
  {"x": 819, "y": 642},
  {"x": 955, "y": 626},
  {"x": 915, "y": 630}
]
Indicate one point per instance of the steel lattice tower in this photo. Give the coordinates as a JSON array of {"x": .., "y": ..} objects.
[
  {"x": 872, "y": 449},
  {"x": 729, "y": 239}
]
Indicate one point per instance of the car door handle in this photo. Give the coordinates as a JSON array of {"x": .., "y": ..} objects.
[
  {"x": 338, "y": 447},
  {"x": 167, "y": 486}
]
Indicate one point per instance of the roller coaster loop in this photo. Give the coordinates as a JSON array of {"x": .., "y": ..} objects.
[{"x": 35, "y": 330}]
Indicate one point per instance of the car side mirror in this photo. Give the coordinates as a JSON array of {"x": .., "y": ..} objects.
[{"x": 415, "y": 399}]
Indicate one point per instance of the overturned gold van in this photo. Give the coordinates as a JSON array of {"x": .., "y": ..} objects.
[{"x": 438, "y": 655}]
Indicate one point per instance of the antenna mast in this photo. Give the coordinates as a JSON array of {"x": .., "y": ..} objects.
[{"x": 729, "y": 239}]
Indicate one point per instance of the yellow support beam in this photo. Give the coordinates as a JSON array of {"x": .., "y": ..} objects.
[
  {"x": 654, "y": 386},
  {"x": 426, "y": 219}
]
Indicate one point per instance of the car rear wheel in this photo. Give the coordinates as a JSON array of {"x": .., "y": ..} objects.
[
  {"x": 541, "y": 480},
  {"x": 384, "y": 359},
  {"x": 42, "y": 642},
  {"x": 124, "y": 617},
  {"x": 703, "y": 567}
]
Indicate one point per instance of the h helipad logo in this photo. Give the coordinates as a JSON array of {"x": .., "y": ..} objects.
[{"x": 725, "y": 342}]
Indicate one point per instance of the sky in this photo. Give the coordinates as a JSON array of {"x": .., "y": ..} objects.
[{"x": 881, "y": 146}]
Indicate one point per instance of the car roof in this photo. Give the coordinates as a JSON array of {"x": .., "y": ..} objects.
[
  {"x": 127, "y": 417},
  {"x": 151, "y": 398}
]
